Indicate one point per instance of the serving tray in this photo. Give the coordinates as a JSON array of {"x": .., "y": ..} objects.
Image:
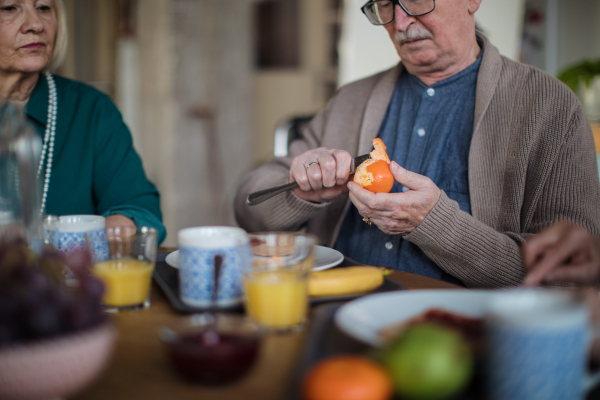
[{"x": 167, "y": 278}]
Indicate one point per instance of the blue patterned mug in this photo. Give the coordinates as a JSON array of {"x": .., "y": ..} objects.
[
  {"x": 70, "y": 232},
  {"x": 197, "y": 250},
  {"x": 537, "y": 346}
]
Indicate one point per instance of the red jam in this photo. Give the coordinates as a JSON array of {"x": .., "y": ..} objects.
[{"x": 213, "y": 362}]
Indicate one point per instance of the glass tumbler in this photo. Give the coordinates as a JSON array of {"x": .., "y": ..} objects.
[
  {"x": 276, "y": 292},
  {"x": 127, "y": 273}
]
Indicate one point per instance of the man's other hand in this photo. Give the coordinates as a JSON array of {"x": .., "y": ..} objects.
[{"x": 397, "y": 213}]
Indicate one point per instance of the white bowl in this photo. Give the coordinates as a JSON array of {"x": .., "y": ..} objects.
[{"x": 56, "y": 367}]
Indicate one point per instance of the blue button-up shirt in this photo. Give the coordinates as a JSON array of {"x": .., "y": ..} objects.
[{"x": 427, "y": 130}]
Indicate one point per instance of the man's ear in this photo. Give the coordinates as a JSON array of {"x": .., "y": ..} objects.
[{"x": 474, "y": 6}]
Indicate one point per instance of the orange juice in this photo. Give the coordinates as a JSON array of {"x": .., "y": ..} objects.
[
  {"x": 127, "y": 281},
  {"x": 278, "y": 298}
]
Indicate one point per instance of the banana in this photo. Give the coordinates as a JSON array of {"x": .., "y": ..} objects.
[{"x": 342, "y": 281}]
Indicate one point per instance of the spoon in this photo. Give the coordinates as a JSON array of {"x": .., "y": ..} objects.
[{"x": 211, "y": 337}]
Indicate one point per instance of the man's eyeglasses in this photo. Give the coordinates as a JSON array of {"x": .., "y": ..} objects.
[{"x": 381, "y": 12}]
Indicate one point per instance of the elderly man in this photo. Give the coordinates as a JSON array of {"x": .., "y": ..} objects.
[{"x": 486, "y": 153}]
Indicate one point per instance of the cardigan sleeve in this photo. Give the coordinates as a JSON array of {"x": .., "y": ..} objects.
[
  {"x": 481, "y": 256},
  {"x": 286, "y": 211},
  {"x": 119, "y": 184}
]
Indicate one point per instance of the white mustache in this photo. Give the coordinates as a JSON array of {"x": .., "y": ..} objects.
[{"x": 412, "y": 33}]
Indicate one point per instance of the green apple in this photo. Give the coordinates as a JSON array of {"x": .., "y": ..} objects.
[{"x": 429, "y": 361}]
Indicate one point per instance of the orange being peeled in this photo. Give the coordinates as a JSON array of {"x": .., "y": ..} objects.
[
  {"x": 347, "y": 377},
  {"x": 374, "y": 174}
]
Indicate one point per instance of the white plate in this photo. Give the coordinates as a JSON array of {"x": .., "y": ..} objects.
[
  {"x": 365, "y": 317},
  {"x": 324, "y": 256}
]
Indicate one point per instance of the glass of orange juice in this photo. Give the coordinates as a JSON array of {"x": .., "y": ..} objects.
[
  {"x": 127, "y": 274},
  {"x": 275, "y": 288}
]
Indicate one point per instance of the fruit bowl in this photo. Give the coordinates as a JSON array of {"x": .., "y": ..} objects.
[{"x": 57, "y": 367}]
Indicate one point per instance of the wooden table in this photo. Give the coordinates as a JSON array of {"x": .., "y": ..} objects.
[{"x": 140, "y": 369}]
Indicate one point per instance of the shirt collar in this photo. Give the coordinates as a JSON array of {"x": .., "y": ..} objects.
[{"x": 37, "y": 106}]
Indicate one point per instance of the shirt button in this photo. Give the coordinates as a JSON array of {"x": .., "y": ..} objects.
[
  {"x": 431, "y": 92},
  {"x": 421, "y": 132},
  {"x": 389, "y": 245},
  {"x": 405, "y": 189}
]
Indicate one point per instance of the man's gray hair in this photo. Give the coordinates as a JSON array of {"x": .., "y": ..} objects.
[{"x": 62, "y": 37}]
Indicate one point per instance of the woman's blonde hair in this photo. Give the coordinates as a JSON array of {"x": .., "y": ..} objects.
[{"x": 61, "y": 40}]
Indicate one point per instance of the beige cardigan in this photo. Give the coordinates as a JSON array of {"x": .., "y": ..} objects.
[{"x": 532, "y": 162}]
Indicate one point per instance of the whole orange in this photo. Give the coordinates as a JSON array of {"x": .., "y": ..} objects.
[
  {"x": 347, "y": 377},
  {"x": 375, "y": 175}
]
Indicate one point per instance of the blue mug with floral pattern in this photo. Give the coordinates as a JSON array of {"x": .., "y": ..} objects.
[
  {"x": 69, "y": 232},
  {"x": 197, "y": 250},
  {"x": 537, "y": 344}
]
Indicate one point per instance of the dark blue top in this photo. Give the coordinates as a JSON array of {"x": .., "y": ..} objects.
[{"x": 427, "y": 130}]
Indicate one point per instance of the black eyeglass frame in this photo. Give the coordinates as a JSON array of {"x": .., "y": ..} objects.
[{"x": 394, "y": 2}]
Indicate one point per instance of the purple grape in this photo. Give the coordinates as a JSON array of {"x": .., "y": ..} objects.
[
  {"x": 9, "y": 333},
  {"x": 9, "y": 307},
  {"x": 82, "y": 314},
  {"x": 35, "y": 303},
  {"x": 93, "y": 288},
  {"x": 43, "y": 321}
]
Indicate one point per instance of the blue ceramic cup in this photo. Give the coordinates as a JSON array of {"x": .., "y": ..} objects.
[
  {"x": 197, "y": 250},
  {"x": 537, "y": 346},
  {"x": 70, "y": 232}
]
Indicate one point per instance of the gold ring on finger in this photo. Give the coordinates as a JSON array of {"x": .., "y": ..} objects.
[{"x": 367, "y": 220}]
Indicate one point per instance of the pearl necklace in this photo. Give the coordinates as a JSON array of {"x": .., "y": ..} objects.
[{"x": 48, "y": 145}]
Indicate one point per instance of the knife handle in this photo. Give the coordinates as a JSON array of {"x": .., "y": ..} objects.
[{"x": 258, "y": 197}]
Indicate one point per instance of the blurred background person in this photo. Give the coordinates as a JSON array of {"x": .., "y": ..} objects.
[
  {"x": 566, "y": 254},
  {"x": 88, "y": 163},
  {"x": 562, "y": 253}
]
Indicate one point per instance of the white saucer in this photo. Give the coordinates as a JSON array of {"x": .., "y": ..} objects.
[{"x": 324, "y": 258}]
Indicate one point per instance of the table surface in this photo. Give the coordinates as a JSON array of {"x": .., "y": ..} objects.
[{"x": 139, "y": 368}]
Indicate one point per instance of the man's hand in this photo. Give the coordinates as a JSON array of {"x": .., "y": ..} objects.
[
  {"x": 397, "y": 213},
  {"x": 321, "y": 174},
  {"x": 562, "y": 253}
]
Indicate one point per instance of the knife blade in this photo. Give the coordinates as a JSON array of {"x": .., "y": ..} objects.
[{"x": 262, "y": 195}]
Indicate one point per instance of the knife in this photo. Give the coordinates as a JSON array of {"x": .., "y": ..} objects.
[{"x": 258, "y": 197}]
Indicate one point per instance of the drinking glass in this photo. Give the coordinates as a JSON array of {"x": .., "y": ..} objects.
[
  {"x": 276, "y": 292},
  {"x": 127, "y": 273}
]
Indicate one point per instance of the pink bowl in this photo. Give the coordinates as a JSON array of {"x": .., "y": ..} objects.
[{"x": 56, "y": 367}]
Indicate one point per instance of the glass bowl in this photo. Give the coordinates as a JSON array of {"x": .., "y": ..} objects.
[{"x": 212, "y": 349}]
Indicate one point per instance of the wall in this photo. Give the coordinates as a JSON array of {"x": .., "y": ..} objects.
[
  {"x": 281, "y": 93},
  {"x": 579, "y": 31},
  {"x": 195, "y": 104},
  {"x": 364, "y": 49},
  {"x": 502, "y": 23}
]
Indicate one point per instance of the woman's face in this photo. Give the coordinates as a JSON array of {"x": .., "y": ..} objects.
[{"x": 27, "y": 34}]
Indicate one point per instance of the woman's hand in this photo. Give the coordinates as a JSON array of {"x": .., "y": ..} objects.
[
  {"x": 562, "y": 253},
  {"x": 397, "y": 213},
  {"x": 321, "y": 174},
  {"x": 115, "y": 220}
]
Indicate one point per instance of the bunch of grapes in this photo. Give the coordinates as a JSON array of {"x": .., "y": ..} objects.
[{"x": 34, "y": 301}]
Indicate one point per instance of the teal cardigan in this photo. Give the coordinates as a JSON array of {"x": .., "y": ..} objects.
[{"x": 95, "y": 169}]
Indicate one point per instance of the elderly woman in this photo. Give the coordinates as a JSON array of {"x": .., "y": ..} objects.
[{"x": 88, "y": 164}]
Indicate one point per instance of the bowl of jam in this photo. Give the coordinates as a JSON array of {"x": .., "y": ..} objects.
[{"x": 212, "y": 349}]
